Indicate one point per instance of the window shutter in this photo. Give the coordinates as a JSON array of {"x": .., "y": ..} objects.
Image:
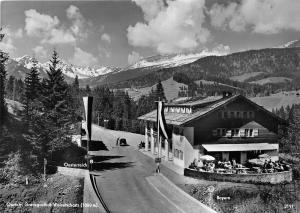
[
  {"x": 242, "y": 132},
  {"x": 215, "y": 132},
  {"x": 255, "y": 132}
]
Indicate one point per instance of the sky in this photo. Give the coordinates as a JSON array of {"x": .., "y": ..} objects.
[{"x": 119, "y": 33}]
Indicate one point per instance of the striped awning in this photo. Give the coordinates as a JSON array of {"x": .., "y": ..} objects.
[{"x": 239, "y": 147}]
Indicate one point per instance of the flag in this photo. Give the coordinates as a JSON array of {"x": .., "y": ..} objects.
[
  {"x": 161, "y": 119},
  {"x": 88, "y": 102}
]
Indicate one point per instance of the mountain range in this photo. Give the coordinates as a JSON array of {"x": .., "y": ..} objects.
[
  {"x": 20, "y": 66},
  {"x": 247, "y": 66}
]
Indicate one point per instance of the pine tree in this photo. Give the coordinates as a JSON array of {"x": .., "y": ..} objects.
[
  {"x": 32, "y": 82},
  {"x": 76, "y": 84},
  {"x": 291, "y": 142},
  {"x": 54, "y": 87},
  {"x": 88, "y": 90},
  {"x": 160, "y": 94},
  {"x": 9, "y": 87},
  {"x": 32, "y": 91},
  {"x": 19, "y": 90},
  {"x": 51, "y": 120},
  {"x": 76, "y": 97},
  {"x": 3, "y": 58}
]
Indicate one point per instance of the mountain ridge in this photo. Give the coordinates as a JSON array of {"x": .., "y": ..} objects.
[
  {"x": 268, "y": 62},
  {"x": 69, "y": 70}
]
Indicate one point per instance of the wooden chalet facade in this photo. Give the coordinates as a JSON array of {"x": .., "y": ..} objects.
[{"x": 226, "y": 127}]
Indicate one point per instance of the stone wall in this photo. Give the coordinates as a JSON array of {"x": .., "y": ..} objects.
[{"x": 273, "y": 178}]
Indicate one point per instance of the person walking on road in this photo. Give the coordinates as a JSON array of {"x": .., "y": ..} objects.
[
  {"x": 157, "y": 169},
  {"x": 117, "y": 143}
]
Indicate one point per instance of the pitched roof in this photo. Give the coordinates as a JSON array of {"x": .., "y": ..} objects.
[
  {"x": 181, "y": 118},
  {"x": 191, "y": 103},
  {"x": 184, "y": 118}
]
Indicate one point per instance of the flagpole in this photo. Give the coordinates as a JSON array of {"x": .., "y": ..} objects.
[
  {"x": 158, "y": 127},
  {"x": 157, "y": 120}
]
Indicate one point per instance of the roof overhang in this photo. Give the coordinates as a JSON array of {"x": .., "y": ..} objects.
[{"x": 239, "y": 147}]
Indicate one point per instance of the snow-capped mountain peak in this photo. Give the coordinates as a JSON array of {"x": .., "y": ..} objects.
[
  {"x": 290, "y": 44},
  {"x": 69, "y": 70},
  {"x": 173, "y": 60}
]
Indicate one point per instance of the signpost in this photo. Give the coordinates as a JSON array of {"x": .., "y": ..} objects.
[{"x": 45, "y": 164}]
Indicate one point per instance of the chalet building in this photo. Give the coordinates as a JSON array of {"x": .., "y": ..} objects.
[{"x": 227, "y": 127}]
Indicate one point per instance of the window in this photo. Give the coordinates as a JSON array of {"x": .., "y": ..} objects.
[
  {"x": 176, "y": 153},
  {"x": 255, "y": 132},
  {"x": 241, "y": 115},
  {"x": 219, "y": 132},
  {"x": 215, "y": 132},
  {"x": 188, "y": 110},
  {"x": 250, "y": 132},
  {"x": 223, "y": 132},
  {"x": 244, "y": 114},
  {"x": 235, "y": 132},
  {"x": 232, "y": 114},
  {"x": 238, "y": 114},
  {"x": 246, "y": 132},
  {"x": 228, "y": 133},
  {"x": 242, "y": 132},
  {"x": 251, "y": 114},
  {"x": 181, "y": 155},
  {"x": 225, "y": 114}
]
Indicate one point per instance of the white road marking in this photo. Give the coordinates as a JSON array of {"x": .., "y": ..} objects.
[{"x": 171, "y": 202}]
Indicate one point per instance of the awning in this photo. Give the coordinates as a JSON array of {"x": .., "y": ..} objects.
[{"x": 239, "y": 147}]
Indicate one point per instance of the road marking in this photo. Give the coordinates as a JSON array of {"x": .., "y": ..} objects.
[
  {"x": 188, "y": 196},
  {"x": 177, "y": 207}
]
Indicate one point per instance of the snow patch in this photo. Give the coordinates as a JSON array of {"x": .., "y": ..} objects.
[{"x": 173, "y": 60}]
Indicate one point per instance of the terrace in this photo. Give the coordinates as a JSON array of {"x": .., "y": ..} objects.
[{"x": 260, "y": 170}]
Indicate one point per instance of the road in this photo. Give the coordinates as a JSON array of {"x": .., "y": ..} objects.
[{"x": 124, "y": 178}]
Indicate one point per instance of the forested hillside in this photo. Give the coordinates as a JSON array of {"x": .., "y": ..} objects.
[{"x": 281, "y": 62}]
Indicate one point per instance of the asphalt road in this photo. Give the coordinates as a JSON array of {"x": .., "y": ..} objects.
[{"x": 124, "y": 178}]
